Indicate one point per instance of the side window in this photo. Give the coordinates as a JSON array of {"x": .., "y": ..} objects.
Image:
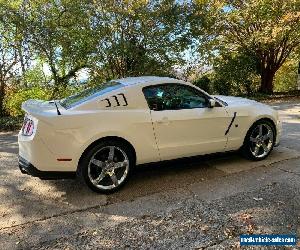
[{"x": 173, "y": 97}]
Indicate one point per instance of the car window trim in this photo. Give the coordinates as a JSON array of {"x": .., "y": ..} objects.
[{"x": 181, "y": 84}]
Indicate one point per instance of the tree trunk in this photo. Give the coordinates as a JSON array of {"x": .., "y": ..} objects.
[
  {"x": 267, "y": 77},
  {"x": 2, "y": 94}
]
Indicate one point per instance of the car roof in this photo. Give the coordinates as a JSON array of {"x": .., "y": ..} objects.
[{"x": 141, "y": 80}]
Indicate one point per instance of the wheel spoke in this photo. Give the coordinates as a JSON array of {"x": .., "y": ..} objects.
[
  {"x": 100, "y": 177},
  {"x": 97, "y": 163},
  {"x": 268, "y": 135},
  {"x": 265, "y": 147},
  {"x": 111, "y": 158},
  {"x": 121, "y": 164},
  {"x": 111, "y": 153},
  {"x": 261, "y": 140},
  {"x": 114, "y": 179},
  {"x": 260, "y": 130}
]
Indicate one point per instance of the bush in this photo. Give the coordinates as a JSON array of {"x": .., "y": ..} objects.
[
  {"x": 15, "y": 99},
  {"x": 222, "y": 87},
  {"x": 10, "y": 123},
  {"x": 236, "y": 74},
  {"x": 286, "y": 77},
  {"x": 203, "y": 83}
]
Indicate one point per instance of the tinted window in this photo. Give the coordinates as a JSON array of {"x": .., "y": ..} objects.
[
  {"x": 174, "y": 96},
  {"x": 90, "y": 93}
]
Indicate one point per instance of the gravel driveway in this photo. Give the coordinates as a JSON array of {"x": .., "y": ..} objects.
[{"x": 204, "y": 202}]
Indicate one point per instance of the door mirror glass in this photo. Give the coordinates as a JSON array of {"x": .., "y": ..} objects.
[{"x": 212, "y": 103}]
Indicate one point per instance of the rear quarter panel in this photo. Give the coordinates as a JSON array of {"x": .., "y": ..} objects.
[{"x": 76, "y": 129}]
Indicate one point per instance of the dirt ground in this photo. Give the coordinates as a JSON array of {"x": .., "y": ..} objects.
[{"x": 204, "y": 202}]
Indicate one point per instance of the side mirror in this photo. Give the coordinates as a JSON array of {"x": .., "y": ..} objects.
[{"x": 211, "y": 103}]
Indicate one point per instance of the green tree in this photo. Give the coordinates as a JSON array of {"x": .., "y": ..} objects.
[
  {"x": 35, "y": 76},
  {"x": 286, "y": 76},
  {"x": 9, "y": 57},
  {"x": 137, "y": 37},
  {"x": 61, "y": 36},
  {"x": 268, "y": 28},
  {"x": 15, "y": 99},
  {"x": 240, "y": 72},
  {"x": 203, "y": 83},
  {"x": 110, "y": 39}
]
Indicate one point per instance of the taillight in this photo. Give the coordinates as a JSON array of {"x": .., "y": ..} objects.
[{"x": 28, "y": 127}]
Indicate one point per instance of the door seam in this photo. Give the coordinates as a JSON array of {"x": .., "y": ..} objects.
[{"x": 155, "y": 137}]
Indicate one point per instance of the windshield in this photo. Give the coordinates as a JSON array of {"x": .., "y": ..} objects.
[{"x": 89, "y": 94}]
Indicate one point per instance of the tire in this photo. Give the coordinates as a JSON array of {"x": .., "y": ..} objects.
[
  {"x": 106, "y": 166},
  {"x": 259, "y": 141}
]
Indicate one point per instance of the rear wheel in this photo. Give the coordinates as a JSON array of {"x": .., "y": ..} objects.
[
  {"x": 259, "y": 140},
  {"x": 106, "y": 166}
]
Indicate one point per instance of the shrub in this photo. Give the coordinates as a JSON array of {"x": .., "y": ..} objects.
[
  {"x": 286, "y": 77},
  {"x": 236, "y": 74},
  {"x": 203, "y": 83},
  {"x": 15, "y": 99},
  {"x": 10, "y": 123},
  {"x": 222, "y": 87}
]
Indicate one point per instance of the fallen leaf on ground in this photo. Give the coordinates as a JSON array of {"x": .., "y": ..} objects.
[{"x": 246, "y": 216}]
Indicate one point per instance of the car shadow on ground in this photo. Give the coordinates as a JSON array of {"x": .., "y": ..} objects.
[
  {"x": 146, "y": 179},
  {"x": 159, "y": 177},
  {"x": 25, "y": 198}
]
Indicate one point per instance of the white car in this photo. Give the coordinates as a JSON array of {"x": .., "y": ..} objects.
[{"x": 101, "y": 133}]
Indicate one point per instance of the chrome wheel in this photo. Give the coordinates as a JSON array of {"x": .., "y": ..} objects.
[
  {"x": 108, "y": 167},
  {"x": 261, "y": 140}
]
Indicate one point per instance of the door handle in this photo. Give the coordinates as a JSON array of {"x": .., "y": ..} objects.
[{"x": 164, "y": 121}]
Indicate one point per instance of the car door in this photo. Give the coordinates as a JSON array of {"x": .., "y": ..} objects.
[{"x": 183, "y": 123}]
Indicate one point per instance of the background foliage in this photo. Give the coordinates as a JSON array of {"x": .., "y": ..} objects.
[
  {"x": 51, "y": 49},
  {"x": 14, "y": 99}
]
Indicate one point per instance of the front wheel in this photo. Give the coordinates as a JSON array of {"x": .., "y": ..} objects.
[
  {"x": 259, "y": 140},
  {"x": 105, "y": 168}
]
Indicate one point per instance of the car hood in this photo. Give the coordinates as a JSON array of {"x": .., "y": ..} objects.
[{"x": 233, "y": 100}]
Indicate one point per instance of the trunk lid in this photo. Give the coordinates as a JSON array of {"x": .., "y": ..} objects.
[{"x": 40, "y": 107}]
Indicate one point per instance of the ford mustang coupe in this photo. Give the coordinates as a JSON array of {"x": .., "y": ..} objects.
[{"x": 101, "y": 133}]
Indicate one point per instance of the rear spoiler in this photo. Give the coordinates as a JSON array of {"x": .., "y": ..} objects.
[{"x": 40, "y": 108}]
